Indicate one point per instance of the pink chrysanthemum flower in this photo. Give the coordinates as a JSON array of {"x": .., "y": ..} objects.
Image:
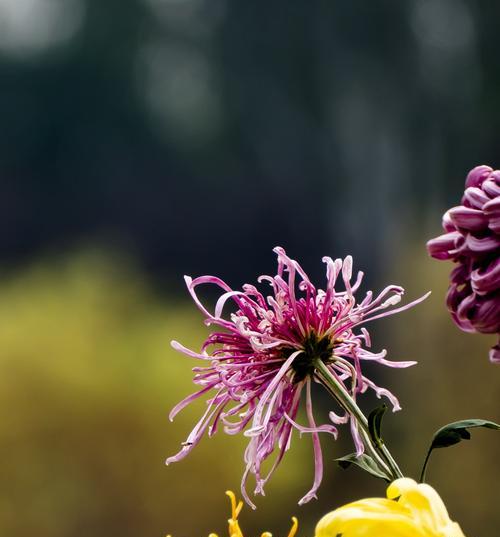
[
  {"x": 472, "y": 240},
  {"x": 268, "y": 353}
]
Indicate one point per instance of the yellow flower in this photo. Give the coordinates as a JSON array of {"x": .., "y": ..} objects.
[
  {"x": 234, "y": 529},
  {"x": 410, "y": 510}
]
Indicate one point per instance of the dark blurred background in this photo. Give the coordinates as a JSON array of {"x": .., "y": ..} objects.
[{"x": 146, "y": 139}]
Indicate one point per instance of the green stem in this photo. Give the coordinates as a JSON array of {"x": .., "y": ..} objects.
[
  {"x": 366, "y": 438},
  {"x": 375, "y": 455},
  {"x": 391, "y": 461},
  {"x": 424, "y": 467},
  {"x": 337, "y": 389}
]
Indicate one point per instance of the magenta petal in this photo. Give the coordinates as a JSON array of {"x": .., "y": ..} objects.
[
  {"x": 447, "y": 223},
  {"x": 495, "y": 354},
  {"x": 396, "y": 310},
  {"x": 466, "y": 308},
  {"x": 494, "y": 224},
  {"x": 440, "y": 247},
  {"x": 475, "y": 197},
  {"x": 486, "y": 280},
  {"x": 483, "y": 245},
  {"x": 492, "y": 206},
  {"x": 195, "y": 435},
  {"x": 495, "y": 176},
  {"x": 487, "y": 315},
  {"x": 492, "y": 211},
  {"x": 491, "y": 186},
  {"x": 477, "y": 175},
  {"x": 318, "y": 457},
  {"x": 189, "y": 399},
  {"x": 469, "y": 219},
  {"x": 454, "y": 297}
]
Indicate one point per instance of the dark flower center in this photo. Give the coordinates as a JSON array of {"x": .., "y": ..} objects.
[{"x": 314, "y": 348}]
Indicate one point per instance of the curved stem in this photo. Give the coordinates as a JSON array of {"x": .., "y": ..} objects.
[
  {"x": 424, "y": 467},
  {"x": 337, "y": 389}
]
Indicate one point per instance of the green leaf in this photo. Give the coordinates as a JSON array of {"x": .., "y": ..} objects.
[
  {"x": 365, "y": 462},
  {"x": 453, "y": 433},
  {"x": 375, "y": 424}
]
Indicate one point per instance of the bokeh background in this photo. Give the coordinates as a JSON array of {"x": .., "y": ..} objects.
[{"x": 146, "y": 139}]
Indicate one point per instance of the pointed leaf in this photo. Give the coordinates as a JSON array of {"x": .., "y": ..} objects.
[
  {"x": 452, "y": 434},
  {"x": 365, "y": 462},
  {"x": 455, "y": 432},
  {"x": 375, "y": 424}
]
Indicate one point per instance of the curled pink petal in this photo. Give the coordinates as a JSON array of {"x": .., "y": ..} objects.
[
  {"x": 447, "y": 223},
  {"x": 473, "y": 197},
  {"x": 486, "y": 315},
  {"x": 492, "y": 212},
  {"x": 318, "y": 457},
  {"x": 442, "y": 247},
  {"x": 469, "y": 219},
  {"x": 483, "y": 245},
  {"x": 486, "y": 279},
  {"x": 477, "y": 175},
  {"x": 495, "y": 354},
  {"x": 491, "y": 187}
]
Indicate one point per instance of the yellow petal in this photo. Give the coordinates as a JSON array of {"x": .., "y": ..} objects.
[
  {"x": 411, "y": 510},
  {"x": 293, "y": 529}
]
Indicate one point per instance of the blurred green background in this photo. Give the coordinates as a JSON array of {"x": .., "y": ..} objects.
[{"x": 146, "y": 139}]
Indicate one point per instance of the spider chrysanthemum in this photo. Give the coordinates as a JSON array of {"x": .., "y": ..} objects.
[{"x": 266, "y": 353}]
